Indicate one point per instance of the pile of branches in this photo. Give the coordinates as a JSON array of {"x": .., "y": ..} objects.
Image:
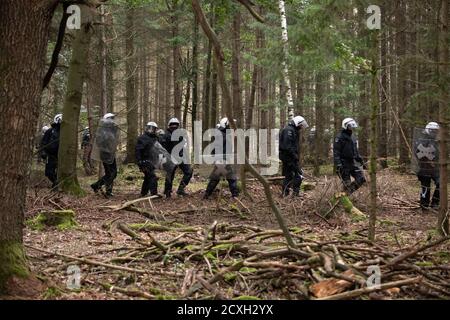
[{"x": 226, "y": 261}]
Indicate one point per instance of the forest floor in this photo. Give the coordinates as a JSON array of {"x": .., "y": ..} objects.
[{"x": 174, "y": 249}]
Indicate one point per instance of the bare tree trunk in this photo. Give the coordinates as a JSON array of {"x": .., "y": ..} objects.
[
  {"x": 168, "y": 110},
  {"x": 177, "y": 92},
  {"x": 24, "y": 29},
  {"x": 214, "y": 98},
  {"x": 130, "y": 75},
  {"x": 251, "y": 103},
  {"x": 146, "y": 89},
  {"x": 236, "y": 83},
  {"x": 284, "y": 38},
  {"x": 364, "y": 101},
  {"x": 382, "y": 134},
  {"x": 207, "y": 81},
  {"x": 402, "y": 84},
  {"x": 320, "y": 121},
  {"x": 195, "y": 75},
  {"x": 187, "y": 96},
  {"x": 104, "y": 89},
  {"x": 373, "y": 137},
  {"x": 444, "y": 118}
]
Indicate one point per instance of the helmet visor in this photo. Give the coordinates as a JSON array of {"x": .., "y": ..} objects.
[
  {"x": 303, "y": 124},
  {"x": 352, "y": 125}
]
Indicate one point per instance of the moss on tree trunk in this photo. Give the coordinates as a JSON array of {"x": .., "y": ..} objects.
[
  {"x": 72, "y": 186},
  {"x": 12, "y": 262},
  {"x": 348, "y": 206},
  {"x": 68, "y": 147}
]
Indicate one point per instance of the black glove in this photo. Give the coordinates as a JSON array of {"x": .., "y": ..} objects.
[
  {"x": 144, "y": 166},
  {"x": 364, "y": 166},
  {"x": 43, "y": 156}
]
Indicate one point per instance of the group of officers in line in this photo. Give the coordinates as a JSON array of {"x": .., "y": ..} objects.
[{"x": 154, "y": 147}]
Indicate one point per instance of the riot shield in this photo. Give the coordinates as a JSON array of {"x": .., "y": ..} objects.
[
  {"x": 106, "y": 141},
  {"x": 161, "y": 159},
  {"x": 425, "y": 157}
]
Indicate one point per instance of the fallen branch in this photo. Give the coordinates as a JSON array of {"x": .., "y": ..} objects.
[
  {"x": 219, "y": 276},
  {"x": 127, "y": 204},
  {"x": 210, "y": 288},
  {"x": 124, "y": 228},
  {"x": 359, "y": 292},
  {"x": 146, "y": 213},
  {"x": 128, "y": 292},
  {"x": 413, "y": 252}
]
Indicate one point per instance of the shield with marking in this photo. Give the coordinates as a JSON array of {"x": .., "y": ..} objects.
[{"x": 425, "y": 157}]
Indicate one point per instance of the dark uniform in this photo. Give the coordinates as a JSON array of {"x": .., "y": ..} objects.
[
  {"x": 223, "y": 170},
  {"x": 144, "y": 148},
  {"x": 85, "y": 138},
  {"x": 347, "y": 160},
  {"x": 108, "y": 179},
  {"x": 168, "y": 144},
  {"x": 289, "y": 156},
  {"x": 427, "y": 154},
  {"x": 50, "y": 147}
]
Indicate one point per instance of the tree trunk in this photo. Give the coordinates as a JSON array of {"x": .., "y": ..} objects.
[
  {"x": 363, "y": 111},
  {"x": 187, "y": 97},
  {"x": 168, "y": 110},
  {"x": 373, "y": 137},
  {"x": 24, "y": 28},
  {"x": 146, "y": 89},
  {"x": 236, "y": 83},
  {"x": 402, "y": 84},
  {"x": 206, "y": 116},
  {"x": 195, "y": 76},
  {"x": 177, "y": 93},
  {"x": 214, "y": 97},
  {"x": 68, "y": 140},
  {"x": 130, "y": 76},
  {"x": 285, "y": 40},
  {"x": 382, "y": 133},
  {"x": 444, "y": 118},
  {"x": 320, "y": 122},
  {"x": 104, "y": 60}
]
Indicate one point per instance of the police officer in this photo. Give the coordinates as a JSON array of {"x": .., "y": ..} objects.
[
  {"x": 106, "y": 140},
  {"x": 289, "y": 155},
  {"x": 223, "y": 169},
  {"x": 42, "y": 157},
  {"x": 427, "y": 154},
  {"x": 169, "y": 144},
  {"x": 144, "y": 148},
  {"x": 86, "y": 137},
  {"x": 50, "y": 148},
  {"x": 347, "y": 160}
]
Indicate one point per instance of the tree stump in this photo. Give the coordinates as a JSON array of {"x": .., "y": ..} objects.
[{"x": 62, "y": 219}]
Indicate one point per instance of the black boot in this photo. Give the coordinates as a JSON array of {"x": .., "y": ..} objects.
[
  {"x": 181, "y": 191},
  {"x": 108, "y": 192},
  {"x": 95, "y": 187}
]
